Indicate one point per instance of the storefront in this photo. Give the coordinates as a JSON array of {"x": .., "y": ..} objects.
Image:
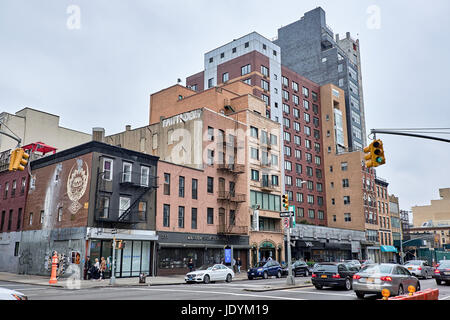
[
  {"x": 137, "y": 255},
  {"x": 176, "y": 249}
]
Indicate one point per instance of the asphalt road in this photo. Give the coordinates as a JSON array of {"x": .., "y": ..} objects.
[{"x": 214, "y": 291}]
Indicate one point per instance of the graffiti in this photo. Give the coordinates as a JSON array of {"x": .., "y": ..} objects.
[
  {"x": 26, "y": 258},
  {"x": 77, "y": 184}
]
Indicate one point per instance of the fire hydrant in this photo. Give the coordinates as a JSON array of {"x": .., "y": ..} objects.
[{"x": 53, "y": 279}]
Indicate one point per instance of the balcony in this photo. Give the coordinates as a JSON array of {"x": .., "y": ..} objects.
[
  {"x": 231, "y": 196},
  {"x": 231, "y": 229},
  {"x": 268, "y": 186},
  {"x": 138, "y": 180},
  {"x": 233, "y": 168}
]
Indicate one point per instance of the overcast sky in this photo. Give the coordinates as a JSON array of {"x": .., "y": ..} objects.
[{"x": 96, "y": 62}]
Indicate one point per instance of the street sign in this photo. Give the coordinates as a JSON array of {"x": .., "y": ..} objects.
[
  {"x": 292, "y": 209},
  {"x": 286, "y": 223},
  {"x": 285, "y": 214}
]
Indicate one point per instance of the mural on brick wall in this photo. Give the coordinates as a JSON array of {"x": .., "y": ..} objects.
[{"x": 77, "y": 184}]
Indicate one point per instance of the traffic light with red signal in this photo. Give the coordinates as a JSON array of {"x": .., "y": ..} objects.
[{"x": 374, "y": 154}]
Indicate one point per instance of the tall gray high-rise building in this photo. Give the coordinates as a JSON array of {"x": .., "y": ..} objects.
[{"x": 309, "y": 47}]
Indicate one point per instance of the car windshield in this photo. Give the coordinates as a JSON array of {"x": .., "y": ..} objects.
[
  {"x": 445, "y": 264},
  {"x": 416, "y": 263},
  {"x": 206, "y": 267},
  {"x": 260, "y": 264},
  {"x": 325, "y": 268},
  {"x": 377, "y": 269}
]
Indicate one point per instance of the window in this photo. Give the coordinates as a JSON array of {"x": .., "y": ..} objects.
[
  {"x": 297, "y": 140},
  {"x": 287, "y": 136},
  {"x": 295, "y": 86},
  {"x": 306, "y": 104},
  {"x": 287, "y": 151},
  {"x": 13, "y": 188},
  {"x": 265, "y": 71},
  {"x": 180, "y": 217},
  {"x": 307, "y": 117},
  {"x": 233, "y": 50},
  {"x": 145, "y": 176},
  {"x": 266, "y": 99},
  {"x": 310, "y": 199},
  {"x": 166, "y": 184},
  {"x": 286, "y": 122},
  {"x": 246, "y": 44},
  {"x": 299, "y": 197},
  {"x": 287, "y": 165},
  {"x": 346, "y": 199},
  {"x": 124, "y": 205},
  {"x": 248, "y": 81},
  {"x": 210, "y": 185},
  {"x": 295, "y": 99},
  {"x": 19, "y": 218},
  {"x": 285, "y": 81},
  {"x": 181, "y": 187},
  {"x": 274, "y": 180},
  {"x": 288, "y": 180},
  {"x": 210, "y": 216},
  {"x": 264, "y": 85},
  {"x": 297, "y": 126},
  {"x": 305, "y": 92},
  {"x": 298, "y": 154},
  {"x": 166, "y": 215},
  {"x": 210, "y": 83},
  {"x": 31, "y": 219},
  {"x": 285, "y": 108},
  {"x": 210, "y": 157},
  {"x": 211, "y": 60},
  {"x": 307, "y": 130},
  {"x": 222, "y": 55},
  {"x": 41, "y": 217},
  {"x": 60, "y": 213},
  {"x": 194, "y": 218},
  {"x": 107, "y": 169},
  {"x": 22, "y": 186},
  {"x": 254, "y": 153},
  {"x": 232, "y": 217},
  {"x": 104, "y": 207},
  {"x": 286, "y": 95},
  {"x": 311, "y": 213},
  {"x": 126, "y": 175},
  {"x": 298, "y": 169},
  {"x": 225, "y": 77},
  {"x": 254, "y": 132},
  {"x": 246, "y": 69},
  {"x": 345, "y": 183},
  {"x": 16, "y": 249},
  {"x": 255, "y": 175},
  {"x": 347, "y": 217},
  {"x": 274, "y": 160},
  {"x": 194, "y": 189}
]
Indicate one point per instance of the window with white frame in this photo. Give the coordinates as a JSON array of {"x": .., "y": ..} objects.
[
  {"x": 126, "y": 174},
  {"x": 145, "y": 176},
  {"x": 108, "y": 169},
  {"x": 124, "y": 205}
]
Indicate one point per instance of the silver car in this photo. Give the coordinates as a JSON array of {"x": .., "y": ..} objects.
[
  {"x": 420, "y": 268},
  {"x": 372, "y": 279}
]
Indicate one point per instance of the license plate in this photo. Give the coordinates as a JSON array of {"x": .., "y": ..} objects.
[
  {"x": 323, "y": 276},
  {"x": 410, "y": 268},
  {"x": 370, "y": 280}
]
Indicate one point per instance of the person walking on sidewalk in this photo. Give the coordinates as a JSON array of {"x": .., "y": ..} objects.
[
  {"x": 239, "y": 264},
  {"x": 96, "y": 270},
  {"x": 102, "y": 268},
  {"x": 87, "y": 268},
  {"x": 191, "y": 265}
]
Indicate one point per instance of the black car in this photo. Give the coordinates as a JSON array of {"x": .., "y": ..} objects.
[
  {"x": 442, "y": 272},
  {"x": 332, "y": 274},
  {"x": 299, "y": 268}
]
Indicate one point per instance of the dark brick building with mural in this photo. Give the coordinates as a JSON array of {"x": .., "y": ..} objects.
[{"x": 79, "y": 199}]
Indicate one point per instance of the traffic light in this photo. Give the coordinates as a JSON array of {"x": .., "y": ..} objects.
[
  {"x": 18, "y": 160},
  {"x": 285, "y": 201},
  {"x": 374, "y": 154}
]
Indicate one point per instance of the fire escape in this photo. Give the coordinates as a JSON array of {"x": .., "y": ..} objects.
[{"x": 230, "y": 199}]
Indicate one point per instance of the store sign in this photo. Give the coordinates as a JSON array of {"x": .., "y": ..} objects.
[{"x": 187, "y": 116}]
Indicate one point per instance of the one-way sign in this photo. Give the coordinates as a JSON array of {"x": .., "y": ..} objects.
[{"x": 285, "y": 214}]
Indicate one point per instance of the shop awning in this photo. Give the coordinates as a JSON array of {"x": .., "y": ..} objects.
[{"x": 388, "y": 249}]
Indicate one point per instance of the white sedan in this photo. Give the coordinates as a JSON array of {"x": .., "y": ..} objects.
[
  {"x": 7, "y": 294},
  {"x": 210, "y": 273}
]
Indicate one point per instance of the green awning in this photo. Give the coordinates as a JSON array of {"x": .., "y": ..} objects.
[{"x": 388, "y": 249}]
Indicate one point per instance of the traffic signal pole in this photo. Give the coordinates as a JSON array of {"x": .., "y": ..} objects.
[
  {"x": 112, "y": 279},
  {"x": 290, "y": 280},
  {"x": 375, "y": 131}
]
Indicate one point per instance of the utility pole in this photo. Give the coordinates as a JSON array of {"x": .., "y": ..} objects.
[
  {"x": 112, "y": 280},
  {"x": 290, "y": 280}
]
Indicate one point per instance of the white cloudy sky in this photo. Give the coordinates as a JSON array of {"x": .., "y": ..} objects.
[{"x": 103, "y": 73}]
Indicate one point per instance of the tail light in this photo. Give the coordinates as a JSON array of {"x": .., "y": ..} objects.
[
  {"x": 437, "y": 271},
  {"x": 419, "y": 268},
  {"x": 356, "y": 277},
  {"x": 387, "y": 278},
  {"x": 314, "y": 275},
  {"x": 336, "y": 276}
]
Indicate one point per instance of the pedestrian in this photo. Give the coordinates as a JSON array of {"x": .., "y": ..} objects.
[
  {"x": 239, "y": 264},
  {"x": 269, "y": 259},
  {"x": 102, "y": 268},
  {"x": 191, "y": 265},
  {"x": 96, "y": 270},
  {"x": 87, "y": 268}
]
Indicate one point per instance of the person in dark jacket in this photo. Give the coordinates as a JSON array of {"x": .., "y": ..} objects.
[
  {"x": 87, "y": 268},
  {"x": 191, "y": 265}
]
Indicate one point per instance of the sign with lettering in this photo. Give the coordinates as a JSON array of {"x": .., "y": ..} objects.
[{"x": 187, "y": 116}]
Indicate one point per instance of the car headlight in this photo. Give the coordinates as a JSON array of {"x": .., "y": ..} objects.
[
  {"x": 248, "y": 270},
  {"x": 260, "y": 269},
  {"x": 200, "y": 274}
]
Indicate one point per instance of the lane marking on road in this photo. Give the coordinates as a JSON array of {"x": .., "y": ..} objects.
[
  {"x": 216, "y": 292},
  {"x": 448, "y": 297},
  {"x": 323, "y": 293}
]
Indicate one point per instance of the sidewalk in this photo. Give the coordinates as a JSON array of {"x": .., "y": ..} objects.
[{"x": 133, "y": 282}]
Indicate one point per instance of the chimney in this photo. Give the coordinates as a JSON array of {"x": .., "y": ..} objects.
[
  {"x": 337, "y": 37},
  {"x": 98, "y": 134},
  {"x": 127, "y": 127}
]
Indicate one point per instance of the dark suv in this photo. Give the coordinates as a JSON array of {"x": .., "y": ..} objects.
[
  {"x": 332, "y": 274},
  {"x": 264, "y": 270},
  {"x": 442, "y": 272}
]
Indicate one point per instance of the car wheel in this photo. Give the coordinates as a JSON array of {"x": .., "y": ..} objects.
[
  {"x": 250, "y": 278},
  {"x": 229, "y": 278},
  {"x": 438, "y": 281},
  {"x": 206, "y": 279},
  {"x": 265, "y": 275},
  {"x": 348, "y": 284},
  {"x": 400, "y": 291},
  {"x": 279, "y": 274},
  {"x": 318, "y": 286},
  {"x": 360, "y": 295}
]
